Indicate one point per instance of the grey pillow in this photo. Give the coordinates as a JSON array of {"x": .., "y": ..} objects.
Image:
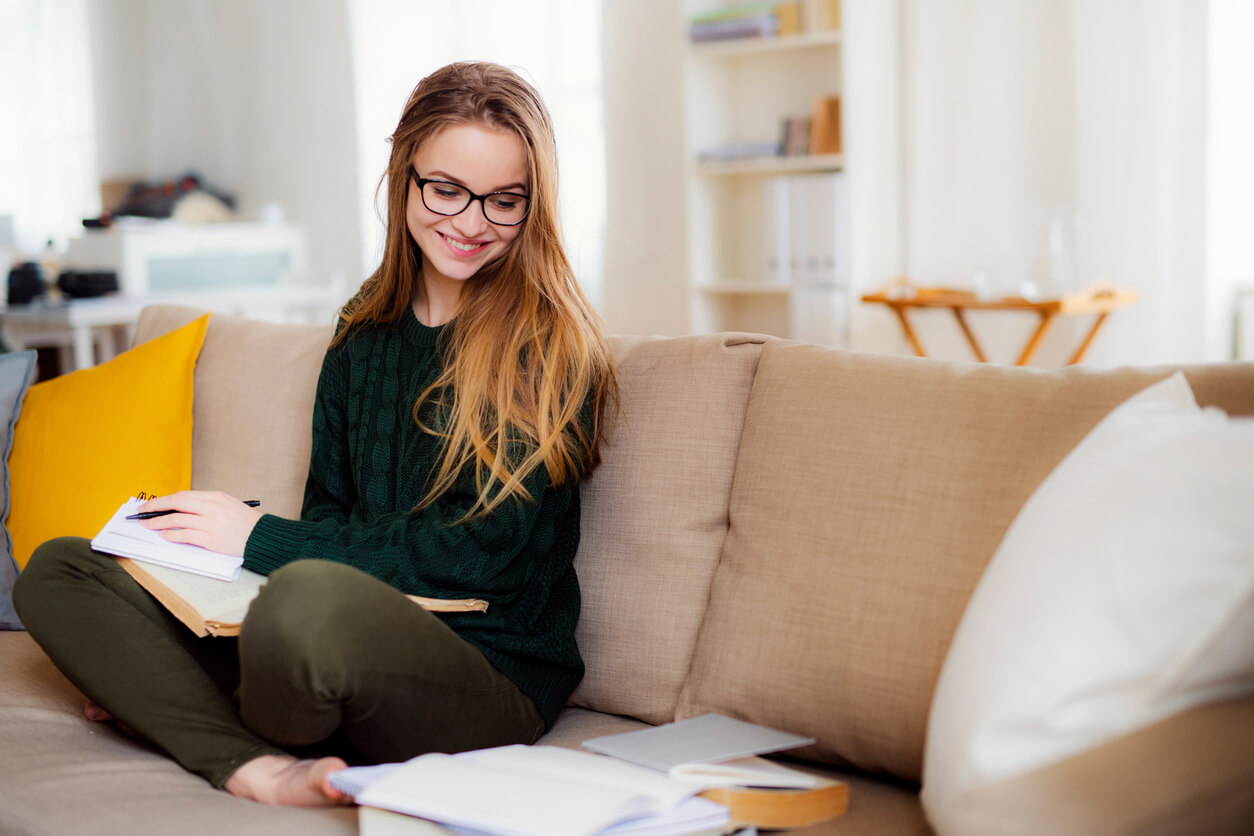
[{"x": 16, "y": 372}]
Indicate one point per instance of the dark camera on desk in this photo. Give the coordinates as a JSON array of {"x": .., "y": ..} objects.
[
  {"x": 77, "y": 284},
  {"x": 26, "y": 283}
]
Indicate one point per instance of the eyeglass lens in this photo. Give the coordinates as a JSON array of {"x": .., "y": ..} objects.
[{"x": 450, "y": 199}]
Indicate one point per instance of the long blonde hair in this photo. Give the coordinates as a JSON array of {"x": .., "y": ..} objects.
[{"x": 525, "y": 354}]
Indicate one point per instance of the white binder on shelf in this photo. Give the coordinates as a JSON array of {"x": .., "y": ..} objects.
[
  {"x": 776, "y": 200},
  {"x": 818, "y": 215}
]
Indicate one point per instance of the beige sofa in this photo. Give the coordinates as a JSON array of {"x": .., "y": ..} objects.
[{"x": 780, "y": 532}]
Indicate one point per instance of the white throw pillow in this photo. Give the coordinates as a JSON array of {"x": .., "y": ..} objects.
[{"x": 1122, "y": 593}]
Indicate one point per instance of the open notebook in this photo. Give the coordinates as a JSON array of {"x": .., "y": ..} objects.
[
  {"x": 128, "y": 538},
  {"x": 208, "y": 591}
]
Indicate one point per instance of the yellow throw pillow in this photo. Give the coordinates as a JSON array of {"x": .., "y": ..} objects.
[{"x": 89, "y": 439}]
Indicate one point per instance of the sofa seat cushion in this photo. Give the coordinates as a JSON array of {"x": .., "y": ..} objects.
[
  {"x": 655, "y": 516},
  {"x": 870, "y": 494},
  {"x": 62, "y": 774}
]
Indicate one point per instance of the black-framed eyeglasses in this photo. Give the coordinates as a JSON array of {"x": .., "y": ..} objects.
[{"x": 445, "y": 198}]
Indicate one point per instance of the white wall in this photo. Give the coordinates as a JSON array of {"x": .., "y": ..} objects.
[
  {"x": 645, "y": 244},
  {"x": 1230, "y": 242},
  {"x": 255, "y": 97}
]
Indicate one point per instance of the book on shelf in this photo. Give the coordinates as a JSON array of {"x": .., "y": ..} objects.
[
  {"x": 533, "y": 791},
  {"x": 748, "y": 20},
  {"x": 208, "y": 591},
  {"x": 794, "y": 138},
  {"x": 756, "y": 26},
  {"x": 825, "y": 137},
  {"x": 820, "y": 15}
]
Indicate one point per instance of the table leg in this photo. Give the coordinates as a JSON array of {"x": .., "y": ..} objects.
[
  {"x": 1088, "y": 339},
  {"x": 966, "y": 332},
  {"x": 910, "y": 335},
  {"x": 84, "y": 356},
  {"x": 1035, "y": 341}
]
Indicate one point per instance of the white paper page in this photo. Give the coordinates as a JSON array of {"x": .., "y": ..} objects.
[
  {"x": 585, "y": 768},
  {"x": 691, "y": 816},
  {"x": 127, "y": 538},
  {"x": 743, "y": 772},
  {"x": 464, "y": 792},
  {"x": 217, "y": 600}
]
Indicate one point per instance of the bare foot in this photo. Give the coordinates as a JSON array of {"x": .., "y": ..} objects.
[
  {"x": 282, "y": 779},
  {"x": 95, "y": 713}
]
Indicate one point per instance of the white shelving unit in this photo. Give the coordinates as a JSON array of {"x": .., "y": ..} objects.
[{"x": 741, "y": 92}]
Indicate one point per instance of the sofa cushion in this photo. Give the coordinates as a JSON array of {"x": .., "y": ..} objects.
[
  {"x": 870, "y": 493},
  {"x": 63, "y": 774},
  {"x": 1192, "y": 773},
  {"x": 655, "y": 516},
  {"x": 16, "y": 372},
  {"x": 253, "y": 412},
  {"x": 1123, "y": 593},
  {"x": 89, "y": 439}
]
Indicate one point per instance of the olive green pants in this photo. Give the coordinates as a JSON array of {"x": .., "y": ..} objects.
[{"x": 329, "y": 661}]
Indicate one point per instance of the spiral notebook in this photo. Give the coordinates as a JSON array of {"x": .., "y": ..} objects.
[{"x": 127, "y": 538}]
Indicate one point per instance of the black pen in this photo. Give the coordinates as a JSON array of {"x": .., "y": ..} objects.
[{"x": 148, "y": 515}]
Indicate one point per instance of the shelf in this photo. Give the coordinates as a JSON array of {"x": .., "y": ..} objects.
[
  {"x": 772, "y": 165},
  {"x": 750, "y": 46}
]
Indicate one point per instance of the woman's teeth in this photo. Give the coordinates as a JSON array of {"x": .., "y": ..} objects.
[{"x": 458, "y": 245}]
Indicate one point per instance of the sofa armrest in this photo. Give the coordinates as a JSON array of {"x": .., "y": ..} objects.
[{"x": 1190, "y": 773}]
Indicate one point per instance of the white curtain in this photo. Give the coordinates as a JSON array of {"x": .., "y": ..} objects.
[
  {"x": 554, "y": 44},
  {"x": 48, "y": 178},
  {"x": 1053, "y": 143}
]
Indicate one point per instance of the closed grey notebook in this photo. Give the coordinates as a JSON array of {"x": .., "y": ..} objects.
[{"x": 710, "y": 738}]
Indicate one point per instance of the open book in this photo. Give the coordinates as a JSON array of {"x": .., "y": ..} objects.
[
  {"x": 208, "y": 591},
  {"x": 534, "y": 791}
]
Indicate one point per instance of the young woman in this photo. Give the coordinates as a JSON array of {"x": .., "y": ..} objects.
[{"x": 459, "y": 404}]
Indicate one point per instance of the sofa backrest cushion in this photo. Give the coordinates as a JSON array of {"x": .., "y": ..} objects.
[
  {"x": 870, "y": 493},
  {"x": 655, "y": 516},
  {"x": 252, "y": 404}
]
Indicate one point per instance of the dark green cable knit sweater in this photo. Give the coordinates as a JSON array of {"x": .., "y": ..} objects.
[{"x": 369, "y": 468}]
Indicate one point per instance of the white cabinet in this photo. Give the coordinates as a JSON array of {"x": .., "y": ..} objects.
[
  {"x": 768, "y": 234},
  {"x": 164, "y": 257}
]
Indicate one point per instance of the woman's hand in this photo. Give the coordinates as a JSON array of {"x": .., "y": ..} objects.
[{"x": 209, "y": 519}]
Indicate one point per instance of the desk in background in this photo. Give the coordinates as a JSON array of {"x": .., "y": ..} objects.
[
  {"x": 1098, "y": 300},
  {"x": 95, "y": 330}
]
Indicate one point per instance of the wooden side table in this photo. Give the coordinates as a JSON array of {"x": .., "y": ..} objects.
[{"x": 1099, "y": 299}]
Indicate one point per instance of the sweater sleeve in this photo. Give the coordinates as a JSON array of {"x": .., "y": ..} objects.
[{"x": 427, "y": 552}]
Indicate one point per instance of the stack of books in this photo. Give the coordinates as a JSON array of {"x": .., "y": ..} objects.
[
  {"x": 751, "y": 20},
  {"x": 765, "y": 20},
  {"x": 697, "y": 776},
  {"x": 721, "y": 757}
]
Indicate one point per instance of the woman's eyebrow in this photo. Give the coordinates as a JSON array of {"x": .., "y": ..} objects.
[{"x": 444, "y": 175}]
